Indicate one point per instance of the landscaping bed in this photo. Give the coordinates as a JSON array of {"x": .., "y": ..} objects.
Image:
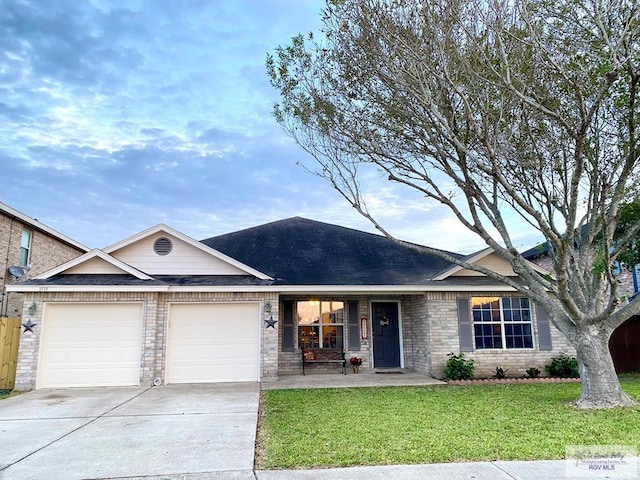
[
  {"x": 315, "y": 428},
  {"x": 498, "y": 381}
]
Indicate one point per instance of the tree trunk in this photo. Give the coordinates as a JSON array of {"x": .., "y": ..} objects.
[{"x": 600, "y": 385}]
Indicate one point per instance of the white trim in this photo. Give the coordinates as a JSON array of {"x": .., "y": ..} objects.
[
  {"x": 36, "y": 225},
  {"x": 87, "y": 288},
  {"x": 373, "y": 289},
  {"x": 400, "y": 338},
  {"x": 95, "y": 253},
  {"x": 194, "y": 243},
  {"x": 479, "y": 256},
  {"x": 289, "y": 289}
]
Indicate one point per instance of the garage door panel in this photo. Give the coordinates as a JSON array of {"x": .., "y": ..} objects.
[
  {"x": 213, "y": 343},
  {"x": 93, "y": 344}
]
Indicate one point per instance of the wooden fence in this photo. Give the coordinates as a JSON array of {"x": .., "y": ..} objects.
[
  {"x": 9, "y": 341},
  {"x": 625, "y": 346}
]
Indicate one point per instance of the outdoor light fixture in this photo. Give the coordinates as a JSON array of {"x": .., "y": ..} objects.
[
  {"x": 267, "y": 308},
  {"x": 33, "y": 308}
]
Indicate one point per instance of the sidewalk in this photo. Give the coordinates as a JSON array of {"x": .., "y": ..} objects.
[{"x": 535, "y": 470}]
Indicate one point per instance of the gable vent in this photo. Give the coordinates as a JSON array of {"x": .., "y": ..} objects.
[{"x": 162, "y": 246}]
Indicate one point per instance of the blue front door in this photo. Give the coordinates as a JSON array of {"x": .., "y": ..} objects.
[{"x": 386, "y": 335}]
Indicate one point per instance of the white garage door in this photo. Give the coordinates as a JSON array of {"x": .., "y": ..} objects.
[
  {"x": 90, "y": 344},
  {"x": 213, "y": 343}
]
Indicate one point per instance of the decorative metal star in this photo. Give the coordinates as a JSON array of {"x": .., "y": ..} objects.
[
  {"x": 271, "y": 323},
  {"x": 28, "y": 327}
]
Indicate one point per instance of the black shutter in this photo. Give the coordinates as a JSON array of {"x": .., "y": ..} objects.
[
  {"x": 353, "y": 323},
  {"x": 464, "y": 325},
  {"x": 287, "y": 326},
  {"x": 544, "y": 330}
]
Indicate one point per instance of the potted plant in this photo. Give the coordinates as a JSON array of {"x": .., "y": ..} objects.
[{"x": 355, "y": 363}]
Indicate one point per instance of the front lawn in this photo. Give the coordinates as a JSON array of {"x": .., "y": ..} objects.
[{"x": 405, "y": 425}]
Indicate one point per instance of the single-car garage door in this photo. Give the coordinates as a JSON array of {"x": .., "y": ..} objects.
[
  {"x": 213, "y": 343},
  {"x": 90, "y": 344}
]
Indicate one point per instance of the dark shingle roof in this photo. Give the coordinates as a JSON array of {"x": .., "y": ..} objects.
[
  {"x": 84, "y": 279},
  {"x": 297, "y": 251},
  {"x": 130, "y": 280},
  {"x": 542, "y": 249}
]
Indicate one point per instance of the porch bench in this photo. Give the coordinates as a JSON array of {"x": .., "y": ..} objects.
[{"x": 324, "y": 355}]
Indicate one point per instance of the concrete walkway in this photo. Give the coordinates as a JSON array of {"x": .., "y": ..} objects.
[
  {"x": 540, "y": 470},
  {"x": 391, "y": 378}
]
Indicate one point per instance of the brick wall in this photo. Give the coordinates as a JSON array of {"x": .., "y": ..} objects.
[
  {"x": 429, "y": 331},
  {"x": 442, "y": 318},
  {"x": 416, "y": 334},
  {"x": 155, "y": 318},
  {"x": 46, "y": 253}
]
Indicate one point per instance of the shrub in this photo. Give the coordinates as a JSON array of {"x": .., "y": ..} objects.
[
  {"x": 458, "y": 368},
  {"x": 501, "y": 373},
  {"x": 533, "y": 372},
  {"x": 563, "y": 366}
]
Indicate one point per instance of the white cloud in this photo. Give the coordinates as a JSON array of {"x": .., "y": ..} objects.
[{"x": 116, "y": 116}]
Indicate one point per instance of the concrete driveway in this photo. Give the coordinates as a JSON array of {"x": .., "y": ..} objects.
[{"x": 172, "y": 432}]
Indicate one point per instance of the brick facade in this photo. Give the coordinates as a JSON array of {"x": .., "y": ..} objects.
[
  {"x": 155, "y": 318},
  {"x": 416, "y": 334},
  {"x": 46, "y": 252},
  {"x": 442, "y": 318},
  {"x": 428, "y": 322},
  {"x": 429, "y": 325}
]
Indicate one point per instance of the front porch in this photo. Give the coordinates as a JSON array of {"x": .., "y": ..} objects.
[
  {"x": 395, "y": 378},
  {"x": 384, "y": 332}
]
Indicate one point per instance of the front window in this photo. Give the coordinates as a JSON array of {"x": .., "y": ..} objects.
[
  {"x": 502, "y": 322},
  {"x": 25, "y": 246},
  {"x": 320, "y": 324}
]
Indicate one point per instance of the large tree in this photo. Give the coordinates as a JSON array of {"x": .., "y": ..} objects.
[{"x": 493, "y": 108}]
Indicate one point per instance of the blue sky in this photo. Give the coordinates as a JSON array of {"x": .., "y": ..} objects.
[{"x": 119, "y": 115}]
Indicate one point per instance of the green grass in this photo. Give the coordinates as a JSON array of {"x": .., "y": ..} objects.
[
  {"x": 406, "y": 425},
  {"x": 8, "y": 393}
]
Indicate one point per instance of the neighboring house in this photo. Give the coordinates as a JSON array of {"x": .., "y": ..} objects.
[
  {"x": 624, "y": 344},
  {"x": 28, "y": 248},
  {"x": 161, "y": 307}
]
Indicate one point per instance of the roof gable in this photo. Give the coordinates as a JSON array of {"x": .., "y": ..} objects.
[
  {"x": 186, "y": 256},
  {"x": 486, "y": 258},
  {"x": 94, "y": 266},
  {"x": 94, "y": 262}
]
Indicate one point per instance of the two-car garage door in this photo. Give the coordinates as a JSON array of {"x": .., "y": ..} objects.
[{"x": 100, "y": 344}]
